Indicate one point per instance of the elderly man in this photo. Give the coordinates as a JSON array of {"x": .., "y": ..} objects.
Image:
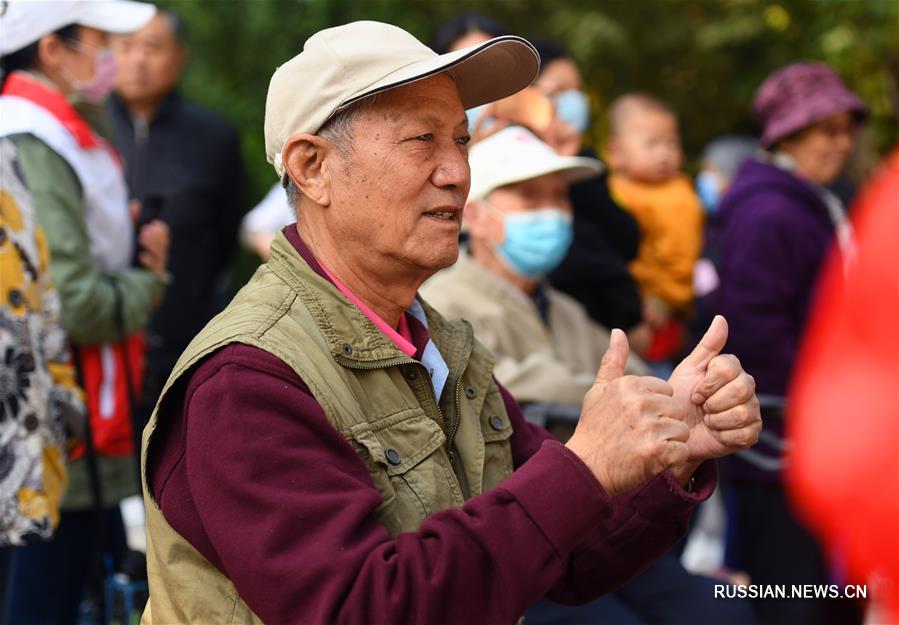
[{"x": 330, "y": 449}]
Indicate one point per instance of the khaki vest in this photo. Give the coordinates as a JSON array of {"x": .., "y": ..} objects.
[{"x": 423, "y": 456}]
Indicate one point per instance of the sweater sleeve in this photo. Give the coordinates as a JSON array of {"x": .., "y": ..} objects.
[
  {"x": 87, "y": 295},
  {"x": 646, "y": 522}
]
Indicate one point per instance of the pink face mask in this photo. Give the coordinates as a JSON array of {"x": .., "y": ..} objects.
[{"x": 101, "y": 83}]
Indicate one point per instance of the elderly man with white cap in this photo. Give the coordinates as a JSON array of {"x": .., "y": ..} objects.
[
  {"x": 520, "y": 228},
  {"x": 330, "y": 449}
]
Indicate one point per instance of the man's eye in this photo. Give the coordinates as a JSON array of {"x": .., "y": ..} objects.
[
  {"x": 464, "y": 140},
  {"x": 426, "y": 137}
]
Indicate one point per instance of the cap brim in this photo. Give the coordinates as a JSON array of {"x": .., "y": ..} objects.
[
  {"x": 116, "y": 16},
  {"x": 483, "y": 73}
]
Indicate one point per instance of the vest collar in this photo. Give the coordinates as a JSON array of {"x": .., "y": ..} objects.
[
  {"x": 351, "y": 336},
  {"x": 28, "y": 87}
]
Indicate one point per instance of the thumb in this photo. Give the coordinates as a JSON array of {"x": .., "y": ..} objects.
[
  {"x": 709, "y": 346},
  {"x": 612, "y": 365}
]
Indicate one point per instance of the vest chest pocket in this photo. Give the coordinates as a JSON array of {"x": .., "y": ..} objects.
[{"x": 405, "y": 457}]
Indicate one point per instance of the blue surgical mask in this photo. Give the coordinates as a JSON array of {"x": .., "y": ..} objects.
[
  {"x": 708, "y": 187},
  {"x": 573, "y": 108},
  {"x": 535, "y": 242}
]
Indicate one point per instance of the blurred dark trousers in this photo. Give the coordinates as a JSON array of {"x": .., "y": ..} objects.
[
  {"x": 49, "y": 579},
  {"x": 607, "y": 610},
  {"x": 6, "y": 554},
  {"x": 766, "y": 541},
  {"x": 665, "y": 594}
]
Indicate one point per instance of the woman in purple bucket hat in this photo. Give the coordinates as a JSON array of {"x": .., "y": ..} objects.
[{"x": 778, "y": 222}]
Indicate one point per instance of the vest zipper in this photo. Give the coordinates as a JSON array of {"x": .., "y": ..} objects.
[{"x": 457, "y": 419}]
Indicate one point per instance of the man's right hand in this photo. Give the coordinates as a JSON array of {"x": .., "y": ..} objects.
[{"x": 631, "y": 428}]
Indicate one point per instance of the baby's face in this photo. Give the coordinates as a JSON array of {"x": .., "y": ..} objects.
[{"x": 648, "y": 146}]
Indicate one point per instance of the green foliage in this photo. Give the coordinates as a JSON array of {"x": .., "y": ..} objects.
[{"x": 706, "y": 57}]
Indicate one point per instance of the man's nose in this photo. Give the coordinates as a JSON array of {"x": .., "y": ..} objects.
[{"x": 452, "y": 170}]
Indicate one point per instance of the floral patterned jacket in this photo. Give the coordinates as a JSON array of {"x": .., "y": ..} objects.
[{"x": 41, "y": 406}]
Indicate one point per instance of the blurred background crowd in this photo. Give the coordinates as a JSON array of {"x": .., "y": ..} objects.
[{"x": 748, "y": 158}]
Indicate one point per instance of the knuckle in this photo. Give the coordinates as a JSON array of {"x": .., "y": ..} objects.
[
  {"x": 750, "y": 380},
  {"x": 747, "y": 438},
  {"x": 731, "y": 362},
  {"x": 636, "y": 402},
  {"x": 742, "y": 415},
  {"x": 747, "y": 388},
  {"x": 729, "y": 365}
]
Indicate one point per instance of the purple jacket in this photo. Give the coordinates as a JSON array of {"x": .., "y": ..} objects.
[{"x": 774, "y": 237}]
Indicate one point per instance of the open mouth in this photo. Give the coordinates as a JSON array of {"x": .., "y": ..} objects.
[{"x": 445, "y": 215}]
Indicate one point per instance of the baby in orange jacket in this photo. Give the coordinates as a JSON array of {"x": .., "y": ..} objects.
[{"x": 645, "y": 156}]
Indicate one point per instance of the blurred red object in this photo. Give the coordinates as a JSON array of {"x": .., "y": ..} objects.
[
  {"x": 843, "y": 422},
  {"x": 666, "y": 341}
]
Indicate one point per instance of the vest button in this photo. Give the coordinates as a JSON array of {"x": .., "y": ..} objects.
[
  {"x": 411, "y": 374},
  {"x": 346, "y": 349},
  {"x": 15, "y": 298},
  {"x": 471, "y": 392},
  {"x": 496, "y": 422},
  {"x": 393, "y": 456}
]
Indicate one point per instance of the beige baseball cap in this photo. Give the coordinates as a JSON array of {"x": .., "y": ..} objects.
[
  {"x": 22, "y": 23},
  {"x": 341, "y": 65},
  {"x": 514, "y": 154}
]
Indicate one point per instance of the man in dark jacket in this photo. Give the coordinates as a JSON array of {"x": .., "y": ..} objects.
[{"x": 183, "y": 165}]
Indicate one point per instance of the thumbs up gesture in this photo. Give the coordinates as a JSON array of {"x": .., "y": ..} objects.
[
  {"x": 722, "y": 408},
  {"x": 630, "y": 428}
]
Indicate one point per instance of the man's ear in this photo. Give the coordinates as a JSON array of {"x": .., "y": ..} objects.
[{"x": 304, "y": 158}]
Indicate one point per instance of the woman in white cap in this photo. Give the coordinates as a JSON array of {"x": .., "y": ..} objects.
[{"x": 52, "y": 57}]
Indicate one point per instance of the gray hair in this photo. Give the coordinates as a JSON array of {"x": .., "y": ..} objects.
[{"x": 338, "y": 130}]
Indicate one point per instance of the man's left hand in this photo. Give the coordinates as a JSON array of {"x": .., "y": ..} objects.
[{"x": 724, "y": 414}]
